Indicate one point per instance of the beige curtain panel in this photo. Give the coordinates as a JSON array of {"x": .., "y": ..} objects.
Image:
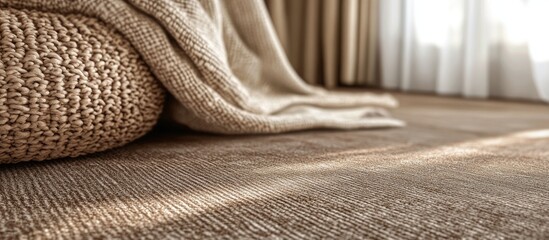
[{"x": 330, "y": 43}]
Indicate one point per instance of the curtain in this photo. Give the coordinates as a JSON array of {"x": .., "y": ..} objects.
[
  {"x": 472, "y": 48},
  {"x": 332, "y": 42}
]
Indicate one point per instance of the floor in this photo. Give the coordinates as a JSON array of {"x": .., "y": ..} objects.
[{"x": 460, "y": 169}]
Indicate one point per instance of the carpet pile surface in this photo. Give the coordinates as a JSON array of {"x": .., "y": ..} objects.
[{"x": 461, "y": 169}]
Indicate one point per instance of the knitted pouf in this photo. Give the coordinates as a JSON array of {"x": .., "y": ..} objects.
[{"x": 69, "y": 85}]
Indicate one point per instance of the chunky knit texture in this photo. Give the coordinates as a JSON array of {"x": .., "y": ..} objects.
[
  {"x": 222, "y": 62},
  {"x": 69, "y": 85}
]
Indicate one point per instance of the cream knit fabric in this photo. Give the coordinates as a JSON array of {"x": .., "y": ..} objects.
[{"x": 223, "y": 64}]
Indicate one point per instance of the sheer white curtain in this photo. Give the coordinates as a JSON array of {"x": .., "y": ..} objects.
[{"x": 473, "y": 48}]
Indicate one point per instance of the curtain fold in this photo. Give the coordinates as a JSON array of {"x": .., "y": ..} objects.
[
  {"x": 349, "y": 41},
  {"x": 368, "y": 52},
  {"x": 330, "y": 43}
]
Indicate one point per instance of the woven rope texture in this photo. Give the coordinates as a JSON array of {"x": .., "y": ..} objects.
[{"x": 69, "y": 85}]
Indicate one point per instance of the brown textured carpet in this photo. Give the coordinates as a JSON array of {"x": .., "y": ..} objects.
[{"x": 472, "y": 169}]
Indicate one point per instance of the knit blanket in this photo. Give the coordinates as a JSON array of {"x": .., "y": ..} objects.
[{"x": 224, "y": 66}]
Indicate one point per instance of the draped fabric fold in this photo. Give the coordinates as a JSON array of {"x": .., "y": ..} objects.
[{"x": 222, "y": 62}]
